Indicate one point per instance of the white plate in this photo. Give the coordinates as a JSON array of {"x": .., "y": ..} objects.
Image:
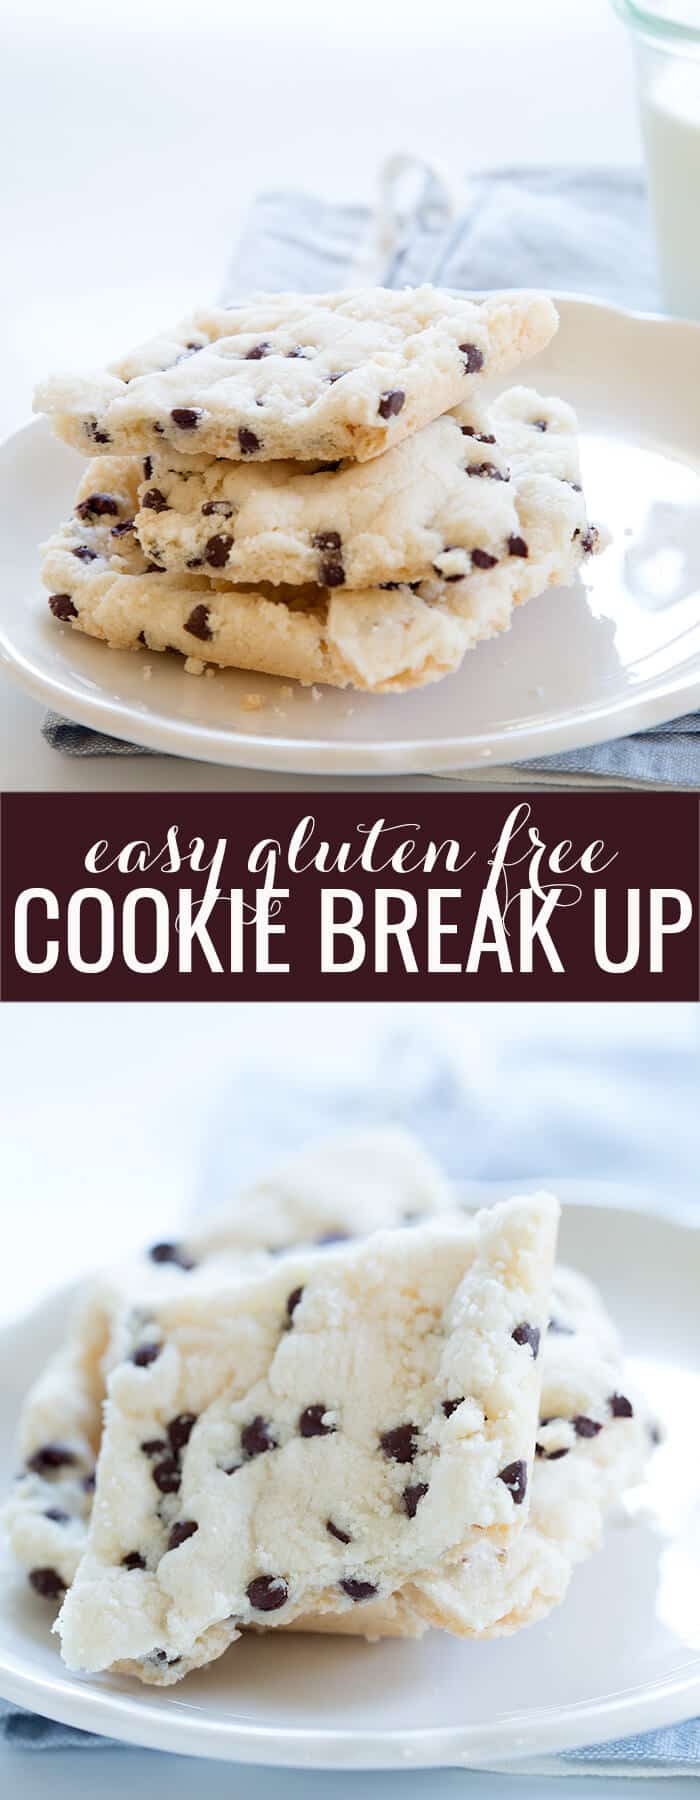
[
  {"x": 580, "y": 665},
  {"x": 621, "y": 1655}
]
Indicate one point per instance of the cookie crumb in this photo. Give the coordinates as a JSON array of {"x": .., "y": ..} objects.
[
  {"x": 194, "y": 666},
  {"x": 252, "y": 703}
]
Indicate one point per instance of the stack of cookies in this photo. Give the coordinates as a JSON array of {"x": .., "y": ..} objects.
[
  {"x": 316, "y": 487},
  {"x": 321, "y": 1418}
]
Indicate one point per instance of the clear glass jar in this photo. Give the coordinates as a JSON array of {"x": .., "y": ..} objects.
[{"x": 666, "y": 37}]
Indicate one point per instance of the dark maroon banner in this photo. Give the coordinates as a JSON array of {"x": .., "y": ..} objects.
[{"x": 350, "y": 896}]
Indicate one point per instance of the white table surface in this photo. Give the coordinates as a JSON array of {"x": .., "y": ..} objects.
[{"x": 134, "y": 142}]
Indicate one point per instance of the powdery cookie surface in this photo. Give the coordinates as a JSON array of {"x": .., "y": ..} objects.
[
  {"x": 251, "y": 1470},
  {"x": 101, "y": 583},
  {"x": 347, "y": 1184},
  {"x": 310, "y": 375},
  {"x": 442, "y": 503},
  {"x": 592, "y": 1444}
]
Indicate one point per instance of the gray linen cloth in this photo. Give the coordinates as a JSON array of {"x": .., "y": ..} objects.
[
  {"x": 586, "y": 1102},
  {"x": 585, "y": 231}
]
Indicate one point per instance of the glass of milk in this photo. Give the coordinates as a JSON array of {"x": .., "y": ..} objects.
[{"x": 666, "y": 35}]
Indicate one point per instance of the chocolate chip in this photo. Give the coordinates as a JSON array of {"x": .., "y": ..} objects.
[
  {"x": 255, "y": 1437},
  {"x": 257, "y": 352},
  {"x": 194, "y": 562},
  {"x": 576, "y": 487},
  {"x": 62, "y": 607},
  {"x": 489, "y": 470},
  {"x": 198, "y": 623},
  {"x": 216, "y": 551},
  {"x": 154, "y": 501},
  {"x": 154, "y": 1446},
  {"x": 48, "y": 1583},
  {"x": 158, "y": 429},
  {"x": 167, "y": 1475},
  {"x": 473, "y": 358},
  {"x": 186, "y": 417},
  {"x": 248, "y": 442},
  {"x": 184, "y": 1529},
  {"x": 191, "y": 346},
  {"x": 482, "y": 559},
  {"x": 620, "y": 1406},
  {"x": 391, "y": 402},
  {"x": 267, "y": 1593},
  {"x": 293, "y": 1300},
  {"x": 527, "y": 1334},
  {"x": 311, "y": 1422},
  {"x": 97, "y": 506},
  {"x": 540, "y": 424},
  {"x": 331, "y": 574},
  {"x": 50, "y": 1457},
  {"x": 84, "y": 553},
  {"x": 590, "y": 539},
  {"x": 559, "y": 1326},
  {"x": 154, "y": 568},
  {"x": 585, "y": 1428},
  {"x": 180, "y": 1430},
  {"x": 171, "y": 1253},
  {"x": 161, "y": 1656},
  {"x": 550, "y": 1455},
  {"x": 412, "y": 1496},
  {"x": 327, "y": 540},
  {"x": 514, "y": 1477},
  {"x": 517, "y": 546},
  {"x": 358, "y": 1590},
  {"x": 221, "y": 507},
  {"x": 450, "y": 1406},
  {"x": 56, "y": 1514},
  {"x": 145, "y": 1354},
  {"x": 134, "y": 1560},
  {"x": 297, "y": 351},
  {"x": 122, "y": 529},
  {"x": 96, "y": 433},
  {"x": 147, "y": 468},
  {"x": 400, "y": 1443},
  {"x": 481, "y": 437},
  {"x": 335, "y": 1531}
]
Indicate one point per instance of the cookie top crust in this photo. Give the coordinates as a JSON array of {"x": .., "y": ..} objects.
[
  {"x": 444, "y": 503},
  {"x": 238, "y": 1431},
  {"x": 301, "y": 376}
]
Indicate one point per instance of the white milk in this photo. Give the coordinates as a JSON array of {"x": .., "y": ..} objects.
[{"x": 671, "y": 125}]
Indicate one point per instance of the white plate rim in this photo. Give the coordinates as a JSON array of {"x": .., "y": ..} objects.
[
  {"x": 670, "y": 696},
  {"x": 72, "y": 1701}
]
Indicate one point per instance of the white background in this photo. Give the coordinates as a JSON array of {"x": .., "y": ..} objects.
[{"x": 135, "y": 135}]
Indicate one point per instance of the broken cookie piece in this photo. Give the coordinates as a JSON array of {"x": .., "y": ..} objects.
[
  {"x": 299, "y": 375},
  {"x": 412, "y": 1448}
]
